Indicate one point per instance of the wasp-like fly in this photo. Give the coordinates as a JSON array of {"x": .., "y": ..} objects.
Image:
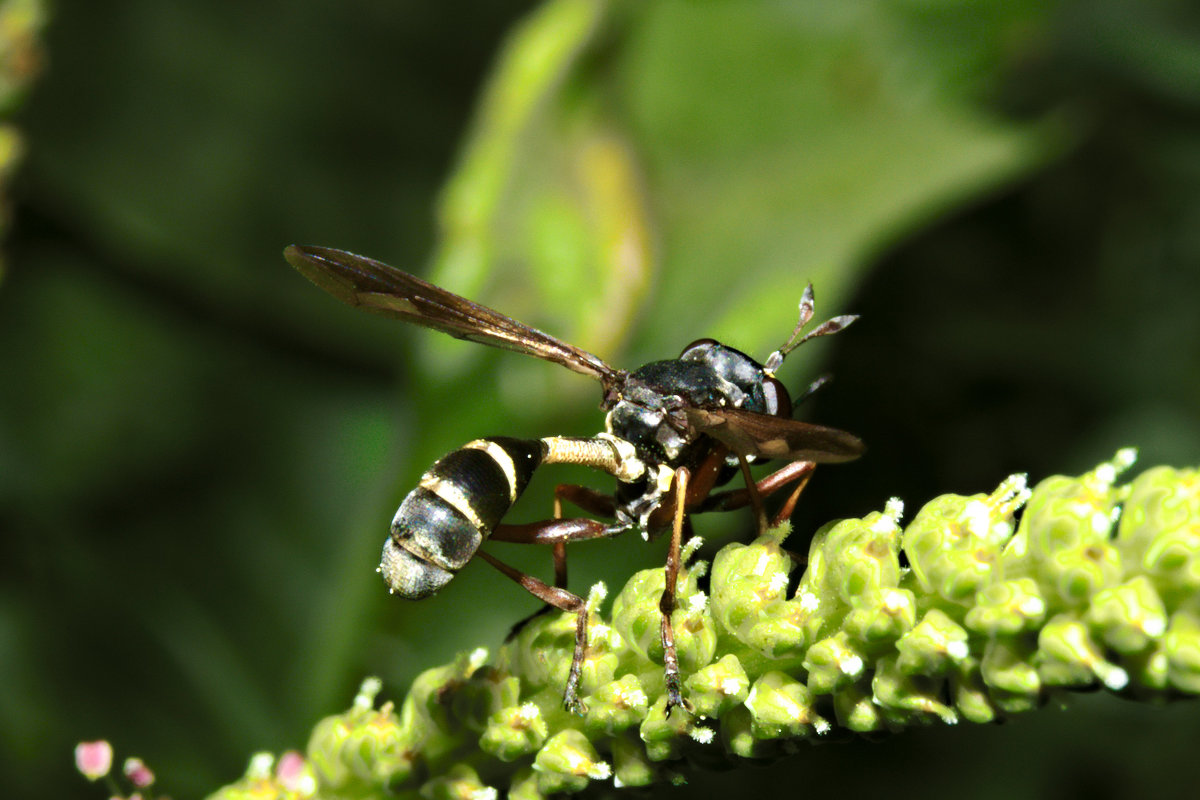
[{"x": 675, "y": 430}]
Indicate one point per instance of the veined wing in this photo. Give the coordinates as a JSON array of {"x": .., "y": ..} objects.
[
  {"x": 751, "y": 434},
  {"x": 375, "y": 286}
]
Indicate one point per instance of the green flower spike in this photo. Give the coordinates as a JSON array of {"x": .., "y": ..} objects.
[
  {"x": 355, "y": 752},
  {"x": 967, "y": 614}
]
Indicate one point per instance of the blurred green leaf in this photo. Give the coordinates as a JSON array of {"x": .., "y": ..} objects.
[{"x": 720, "y": 155}]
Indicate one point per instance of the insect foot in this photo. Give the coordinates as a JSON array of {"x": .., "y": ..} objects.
[{"x": 641, "y": 620}]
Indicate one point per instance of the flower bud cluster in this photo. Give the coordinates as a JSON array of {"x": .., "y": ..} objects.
[
  {"x": 94, "y": 760},
  {"x": 964, "y": 614}
]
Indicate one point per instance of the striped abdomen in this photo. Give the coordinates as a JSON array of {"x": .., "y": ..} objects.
[{"x": 458, "y": 503}]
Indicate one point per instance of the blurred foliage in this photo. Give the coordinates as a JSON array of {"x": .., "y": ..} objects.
[
  {"x": 199, "y": 453},
  {"x": 21, "y": 23}
]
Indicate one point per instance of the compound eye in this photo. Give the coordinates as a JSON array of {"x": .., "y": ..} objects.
[
  {"x": 698, "y": 350},
  {"x": 778, "y": 401}
]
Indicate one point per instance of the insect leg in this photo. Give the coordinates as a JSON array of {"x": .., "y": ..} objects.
[
  {"x": 566, "y": 601},
  {"x": 789, "y": 505},
  {"x": 551, "y": 531},
  {"x": 588, "y": 500},
  {"x": 740, "y": 498},
  {"x": 555, "y": 532},
  {"x": 700, "y": 485},
  {"x": 760, "y": 515},
  {"x": 666, "y": 603}
]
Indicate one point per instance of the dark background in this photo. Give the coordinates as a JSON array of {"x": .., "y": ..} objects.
[{"x": 199, "y": 453}]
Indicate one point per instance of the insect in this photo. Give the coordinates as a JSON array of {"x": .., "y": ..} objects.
[{"x": 675, "y": 431}]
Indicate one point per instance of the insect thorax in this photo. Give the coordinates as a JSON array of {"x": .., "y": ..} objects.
[
  {"x": 649, "y": 409},
  {"x": 650, "y": 412}
]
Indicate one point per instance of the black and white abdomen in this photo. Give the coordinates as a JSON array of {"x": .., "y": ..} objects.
[{"x": 458, "y": 503}]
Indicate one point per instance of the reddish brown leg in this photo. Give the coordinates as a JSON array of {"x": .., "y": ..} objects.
[
  {"x": 550, "y": 531},
  {"x": 789, "y": 505},
  {"x": 798, "y": 472},
  {"x": 590, "y": 500},
  {"x": 756, "y": 501},
  {"x": 560, "y": 564},
  {"x": 557, "y": 533},
  {"x": 666, "y": 603},
  {"x": 740, "y": 498},
  {"x": 700, "y": 484},
  {"x": 566, "y": 601}
]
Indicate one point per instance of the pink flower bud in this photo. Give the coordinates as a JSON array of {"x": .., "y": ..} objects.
[
  {"x": 290, "y": 770},
  {"x": 93, "y": 759},
  {"x": 138, "y": 773}
]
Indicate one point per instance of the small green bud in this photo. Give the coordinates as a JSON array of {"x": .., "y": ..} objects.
[
  {"x": 514, "y": 732},
  {"x": 605, "y": 648},
  {"x": 907, "y": 698},
  {"x": 954, "y": 542},
  {"x": 638, "y": 619},
  {"x": 867, "y": 555},
  {"x": 481, "y": 695},
  {"x": 876, "y": 624},
  {"x": 524, "y": 786},
  {"x": 664, "y": 735},
  {"x": 833, "y": 663},
  {"x": 360, "y": 751},
  {"x": 760, "y": 568},
  {"x": 856, "y": 710},
  {"x": 749, "y": 585},
  {"x": 1159, "y": 534},
  {"x": 567, "y": 762},
  {"x": 1007, "y": 608},
  {"x": 739, "y": 737},
  {"x": 783, "y": 630},
  {"x": 425, "y": 705},
  {"x": 695, "y": 630},
  {"x": 782, "y": 708},
  {"x": 615, "y": 706},
  {"x": 718, "y": 687},
  {"x": 1067, "y": 656},
  {"x": 932, "y": 646},
  {"x": 324, "y": 752},
  {"x": 542, "y": 650},
  {"x": 1063, "y": 538},
  {"x": 1129, "y": 617},
  {"x": 1150, "y": 669},
  {"x": 458, "y": 783},
  {"x": 631, "y": 766},
  {"x": 636, "y": 614},
  {"x": 969, "y": 692},
  {"x": 1182, "y": 646},
  {"x": 1173, "y": 561},
  {"x": 1007, "y": 667}
]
